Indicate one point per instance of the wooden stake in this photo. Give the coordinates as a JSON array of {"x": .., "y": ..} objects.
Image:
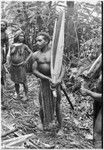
[
  {"x": 9, "y": 132},
  {"x": 17, "y": 140}
]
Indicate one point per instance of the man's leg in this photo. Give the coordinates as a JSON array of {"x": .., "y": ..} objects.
[
  {"x": 3, "y": 106},
  {"x": 41, "y": 115},
  {"x": 58, "y": 111},
  {"x": 26, "y": 91},
  {"x": 2, "y": 90},
  {"x": 17, "y": 91},
  {"x": 58, "y": 114},
  {"x": 98, "y": 131},
  {"x": 41, "y": 112}
]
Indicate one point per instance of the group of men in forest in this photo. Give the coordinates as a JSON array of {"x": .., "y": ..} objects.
[{"x": 20, "y": 55}]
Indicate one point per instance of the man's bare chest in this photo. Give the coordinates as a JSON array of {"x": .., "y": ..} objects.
[{"x": 44, "y": 58}]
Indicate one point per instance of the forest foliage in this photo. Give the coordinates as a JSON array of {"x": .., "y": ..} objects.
[
  {"x": 35, "y": 16},
  {"x": 82, "y": 35}
]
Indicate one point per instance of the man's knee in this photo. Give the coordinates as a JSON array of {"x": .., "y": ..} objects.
[
  {"x": 58, "y": 105},
  {"x": 25, "y": 87},
  {"x": 40, "y": 99},
  {"x": 41, "y": 114},
  {"x": 58, "y": 96}
]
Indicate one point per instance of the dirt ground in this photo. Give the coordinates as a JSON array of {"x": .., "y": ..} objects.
[{"x": 77, "y": 124}]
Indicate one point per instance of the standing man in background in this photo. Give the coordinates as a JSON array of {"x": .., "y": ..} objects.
[
  {"x": 98, "y": 103},
  {"x": 4, "y": 49}
]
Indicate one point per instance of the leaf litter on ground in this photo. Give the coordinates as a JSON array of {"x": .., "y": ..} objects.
[{"x": 72, "y": 122}]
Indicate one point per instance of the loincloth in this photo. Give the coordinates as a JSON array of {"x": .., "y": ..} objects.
[
  {"x": 46, "y": 100},
  {"x": 3, "y": 74},
  {"x": 18, "y": 73}
]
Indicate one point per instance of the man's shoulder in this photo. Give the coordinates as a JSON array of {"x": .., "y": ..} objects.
[
  {"x": 25, "y": 45},
  {"x": 16, "y": 44},
  {"x": 35, "y": 54}
]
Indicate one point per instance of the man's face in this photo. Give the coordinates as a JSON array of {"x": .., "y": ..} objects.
[
  {"x": 21, "y": 37},
  {"x": 41, "y": 42},
  {"x": 93, "y": 55},
  {"x": 3, "y": 26}
]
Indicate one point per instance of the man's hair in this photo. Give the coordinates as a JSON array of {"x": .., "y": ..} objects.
[
  {"x": 16, "y": 36},
  {"x": 6, "y": 24},
  {"x": 46, "y": 36}
]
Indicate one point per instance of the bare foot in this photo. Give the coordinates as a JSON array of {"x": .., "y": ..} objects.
[
  {"x": 24, "y": 99},
  {"x": 60, "y": 132},
  {"x": 16, "y": 96},
  {"x": 40, "y": 127}
]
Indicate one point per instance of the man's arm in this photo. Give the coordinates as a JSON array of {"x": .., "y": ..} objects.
[
  {"x": 7, "y": 45},
  {"x": 94, "y": 94},
  {"x": 86, "y": 92},
  {"x": 30, "y": 54},
  {"x": 94, "y": 67},
  {"x": 9, "y": 55}
]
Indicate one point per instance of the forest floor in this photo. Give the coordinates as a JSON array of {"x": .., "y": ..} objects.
[{"x": 77, "y": 124}]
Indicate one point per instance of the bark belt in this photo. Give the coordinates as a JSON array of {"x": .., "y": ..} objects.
[{"x": 18, "y": 64}]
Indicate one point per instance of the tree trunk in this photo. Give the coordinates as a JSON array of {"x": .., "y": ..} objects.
[{"x": 71, "y": 40}]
